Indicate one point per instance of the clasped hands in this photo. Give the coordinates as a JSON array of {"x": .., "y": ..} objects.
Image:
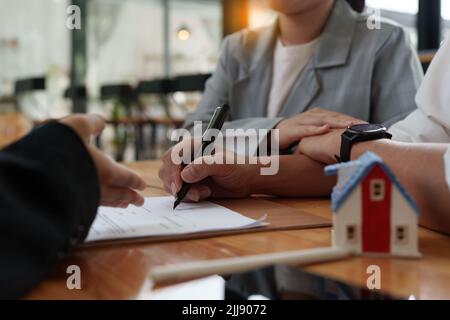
[{"x": 316, "y": 131}]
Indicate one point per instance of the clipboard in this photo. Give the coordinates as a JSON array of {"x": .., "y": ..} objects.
[{"x": 279, "y": 217}]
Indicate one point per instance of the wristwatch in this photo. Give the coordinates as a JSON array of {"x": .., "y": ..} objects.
[{"x": 359, "y": 133}]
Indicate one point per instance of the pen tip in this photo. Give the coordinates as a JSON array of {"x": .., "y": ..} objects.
[{"x": 177, "y": 202}]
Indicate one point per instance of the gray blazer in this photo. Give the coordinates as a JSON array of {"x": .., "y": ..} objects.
[{"x": 369, "y": 74}]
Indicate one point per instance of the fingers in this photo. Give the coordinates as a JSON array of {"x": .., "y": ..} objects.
[
  {"x": 195, "y": 172},
  {"x": 185, "y": 151},
  {"x": 319, "y": 116},
  {"x": 300, "y": 132},
  {"x": 333, "y": 119},
  {"x": 340, "y": 121},
  {"x": 170, "y": 171},
  {"x": 198, "y": 192},
  {"x": 114, "y": 174},
  {"x": 114, "y": 196},
  {"x": 85, "y": 124},
  {"x": 96, "y": 123},
  {"x": 307, "y": 131},
  {"x": 114, "y": 204},
  {"x": 116, "y": 181},
  {"x": 337, "y": 123},
  {"x": 201, "y": 169},
  {"x": 321, "y": 148},
  {"x": 125, "y": 178}
]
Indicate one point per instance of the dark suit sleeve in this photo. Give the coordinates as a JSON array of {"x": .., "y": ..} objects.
[{"x": 49, "y": 195}]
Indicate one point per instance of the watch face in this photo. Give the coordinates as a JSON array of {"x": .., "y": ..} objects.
[{"x": 366, "y": 128}]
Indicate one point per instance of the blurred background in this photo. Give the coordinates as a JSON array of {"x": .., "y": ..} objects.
[{"x": 141, "y": 63}]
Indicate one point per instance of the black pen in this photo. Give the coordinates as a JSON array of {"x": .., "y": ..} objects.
[{"x": 216, "y": 122}]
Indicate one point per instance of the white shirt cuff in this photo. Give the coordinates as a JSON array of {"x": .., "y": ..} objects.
[{"x": 447, "y": 166}]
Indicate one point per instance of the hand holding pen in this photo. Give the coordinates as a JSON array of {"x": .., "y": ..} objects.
[{"x": 216, "y": 123}]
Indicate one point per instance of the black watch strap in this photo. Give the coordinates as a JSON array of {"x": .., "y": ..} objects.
[
  {"x": 346, "y": 148},
  {"x": 347, "y": 143}
]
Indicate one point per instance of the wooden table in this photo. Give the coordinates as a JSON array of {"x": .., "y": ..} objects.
[
  {"x": 120, "y": 271},
  {"x": 13, "y": 126}
]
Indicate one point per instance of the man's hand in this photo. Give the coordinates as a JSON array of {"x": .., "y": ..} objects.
[
  {"x": 117, "y": 183},
  {"x": 313, "y": 122},
  {"x": 170, "y": 171},
  {"x": 208, "y": 177},
  {"x": 323, "y": 148},
  {"x": 212, "y": 176}
]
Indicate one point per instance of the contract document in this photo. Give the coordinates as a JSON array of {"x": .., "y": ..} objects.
[{"x": 157, "y": 218}]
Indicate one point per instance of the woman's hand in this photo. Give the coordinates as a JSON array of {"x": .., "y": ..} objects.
[
  {"x": 313, "y": 122},
  {"x": 323, "y": 148}
]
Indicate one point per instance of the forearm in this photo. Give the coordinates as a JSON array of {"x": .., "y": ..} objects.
[
  {"x": 48, "y": 199},
  {"x": 297, "y": 176},
  {"x": 420, "y": 168}
]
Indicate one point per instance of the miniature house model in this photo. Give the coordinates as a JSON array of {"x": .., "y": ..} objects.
[{"x": 373, "y": 213}]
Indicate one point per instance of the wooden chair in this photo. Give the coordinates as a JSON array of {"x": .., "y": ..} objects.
[
  {"x": 25, "y": 90},
  {"x": 123, "y": 98}
]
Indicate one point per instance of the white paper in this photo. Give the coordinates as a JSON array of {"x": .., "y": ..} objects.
[{"x": 157, "y": 218}]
